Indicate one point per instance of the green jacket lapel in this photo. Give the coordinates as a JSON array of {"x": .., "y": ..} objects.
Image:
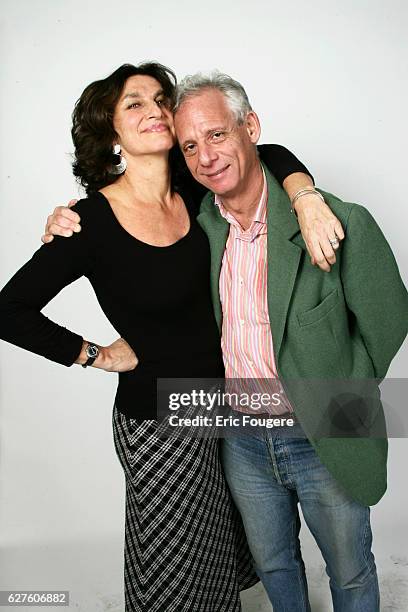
[
  {"x": 216, "y": 228},
  {"x": 283, "y": 257}
]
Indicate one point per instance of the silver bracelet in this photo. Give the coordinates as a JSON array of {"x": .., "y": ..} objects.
[{"x": 303, "y": 192}]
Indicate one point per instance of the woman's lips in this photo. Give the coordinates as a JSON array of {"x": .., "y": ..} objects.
[{"x": 157, "y": 127}]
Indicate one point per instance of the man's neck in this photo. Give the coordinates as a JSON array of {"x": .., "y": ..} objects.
[{"x": 244, "y": 204}]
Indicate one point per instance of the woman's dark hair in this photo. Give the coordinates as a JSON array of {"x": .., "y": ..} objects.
[{"x": 92, "y": 122}]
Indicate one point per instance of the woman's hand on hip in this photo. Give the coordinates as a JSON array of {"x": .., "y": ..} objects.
[{"x": 117, "y": 357}]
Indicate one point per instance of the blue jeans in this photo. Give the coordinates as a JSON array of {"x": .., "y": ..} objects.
[{"x": 269, "y": 473}]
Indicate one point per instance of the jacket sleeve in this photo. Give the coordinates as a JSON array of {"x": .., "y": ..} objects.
[
  {"x": 373, "y": 289},
  {"x": 52, "y": 267}
]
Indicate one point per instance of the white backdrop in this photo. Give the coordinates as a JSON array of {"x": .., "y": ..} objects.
[{"x": 329, "y": 80}]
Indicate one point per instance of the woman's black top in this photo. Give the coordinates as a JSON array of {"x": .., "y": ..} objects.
[{"x": 156, "y": 298}]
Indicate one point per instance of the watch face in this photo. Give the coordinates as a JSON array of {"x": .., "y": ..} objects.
[{"x": 92, "y": 351}]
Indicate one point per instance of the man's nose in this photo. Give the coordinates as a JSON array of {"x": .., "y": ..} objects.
[{"x": 206, "y": 155}]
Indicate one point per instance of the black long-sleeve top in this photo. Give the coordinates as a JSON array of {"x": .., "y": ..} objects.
[{"x": 156, "y": 298}]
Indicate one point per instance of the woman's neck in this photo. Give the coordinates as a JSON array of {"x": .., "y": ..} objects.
[{"x": 147, "y": 181}]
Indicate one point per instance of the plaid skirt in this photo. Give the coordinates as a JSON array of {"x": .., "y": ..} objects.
[{"x": 185, "y": 547}]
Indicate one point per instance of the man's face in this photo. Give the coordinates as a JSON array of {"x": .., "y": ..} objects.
[{"x": 219, "y": 153}]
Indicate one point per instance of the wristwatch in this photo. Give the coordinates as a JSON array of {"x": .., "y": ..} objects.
[{"x": 92, "y": 352}]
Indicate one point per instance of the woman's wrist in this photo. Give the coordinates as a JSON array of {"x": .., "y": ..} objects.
[
  {"x": 117, "y": 357},
  {"x": 304, "y": 198},
  {"x": 102, "y": 359}
]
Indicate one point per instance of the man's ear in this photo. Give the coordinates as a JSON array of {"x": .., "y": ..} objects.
[{"x": 253, "y": 126}]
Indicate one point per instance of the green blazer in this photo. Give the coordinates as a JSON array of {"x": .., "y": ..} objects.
[{"x": 346, "y": 324}]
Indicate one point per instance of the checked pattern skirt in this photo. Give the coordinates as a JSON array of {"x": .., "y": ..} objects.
[{"x": 185, "y": 547}]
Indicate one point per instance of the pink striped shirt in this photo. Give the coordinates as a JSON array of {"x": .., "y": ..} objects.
[{"x": 246, "y": 340}]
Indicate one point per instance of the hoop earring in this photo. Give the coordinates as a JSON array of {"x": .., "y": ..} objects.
[{"x": 121, "y": 164}]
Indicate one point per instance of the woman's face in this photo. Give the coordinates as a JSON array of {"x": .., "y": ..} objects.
[{"x": 142, "y": 118}]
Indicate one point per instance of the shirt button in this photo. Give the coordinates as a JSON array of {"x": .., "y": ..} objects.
[
  {"x": 241, "y": 281},
  {"x": 242, "y": 322}
]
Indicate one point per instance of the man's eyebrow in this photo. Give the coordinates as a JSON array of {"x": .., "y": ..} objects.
[
  {"x": 210, "y": 131},
  {"x": 218, "y": 128},
  {"x": 136, "y": 94}
]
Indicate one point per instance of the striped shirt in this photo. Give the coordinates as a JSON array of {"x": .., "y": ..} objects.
[{"x": 246, "y": 341}]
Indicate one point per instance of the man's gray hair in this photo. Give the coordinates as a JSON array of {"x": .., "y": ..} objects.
[{"x": 193, "y": 85}]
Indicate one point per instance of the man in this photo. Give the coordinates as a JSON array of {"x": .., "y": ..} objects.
[
  {"x": 346, "y": 324},
  {"x": 279, "y": 315}
]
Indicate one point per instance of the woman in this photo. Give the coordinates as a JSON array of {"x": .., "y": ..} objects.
[{"x": 148, "y": 262}]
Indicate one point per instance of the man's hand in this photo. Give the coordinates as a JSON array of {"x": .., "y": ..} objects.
[
  {"x": 117, "y": 357},
  {"x": 319, "y": 226},
  {"x": 62, "y": 222}
]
